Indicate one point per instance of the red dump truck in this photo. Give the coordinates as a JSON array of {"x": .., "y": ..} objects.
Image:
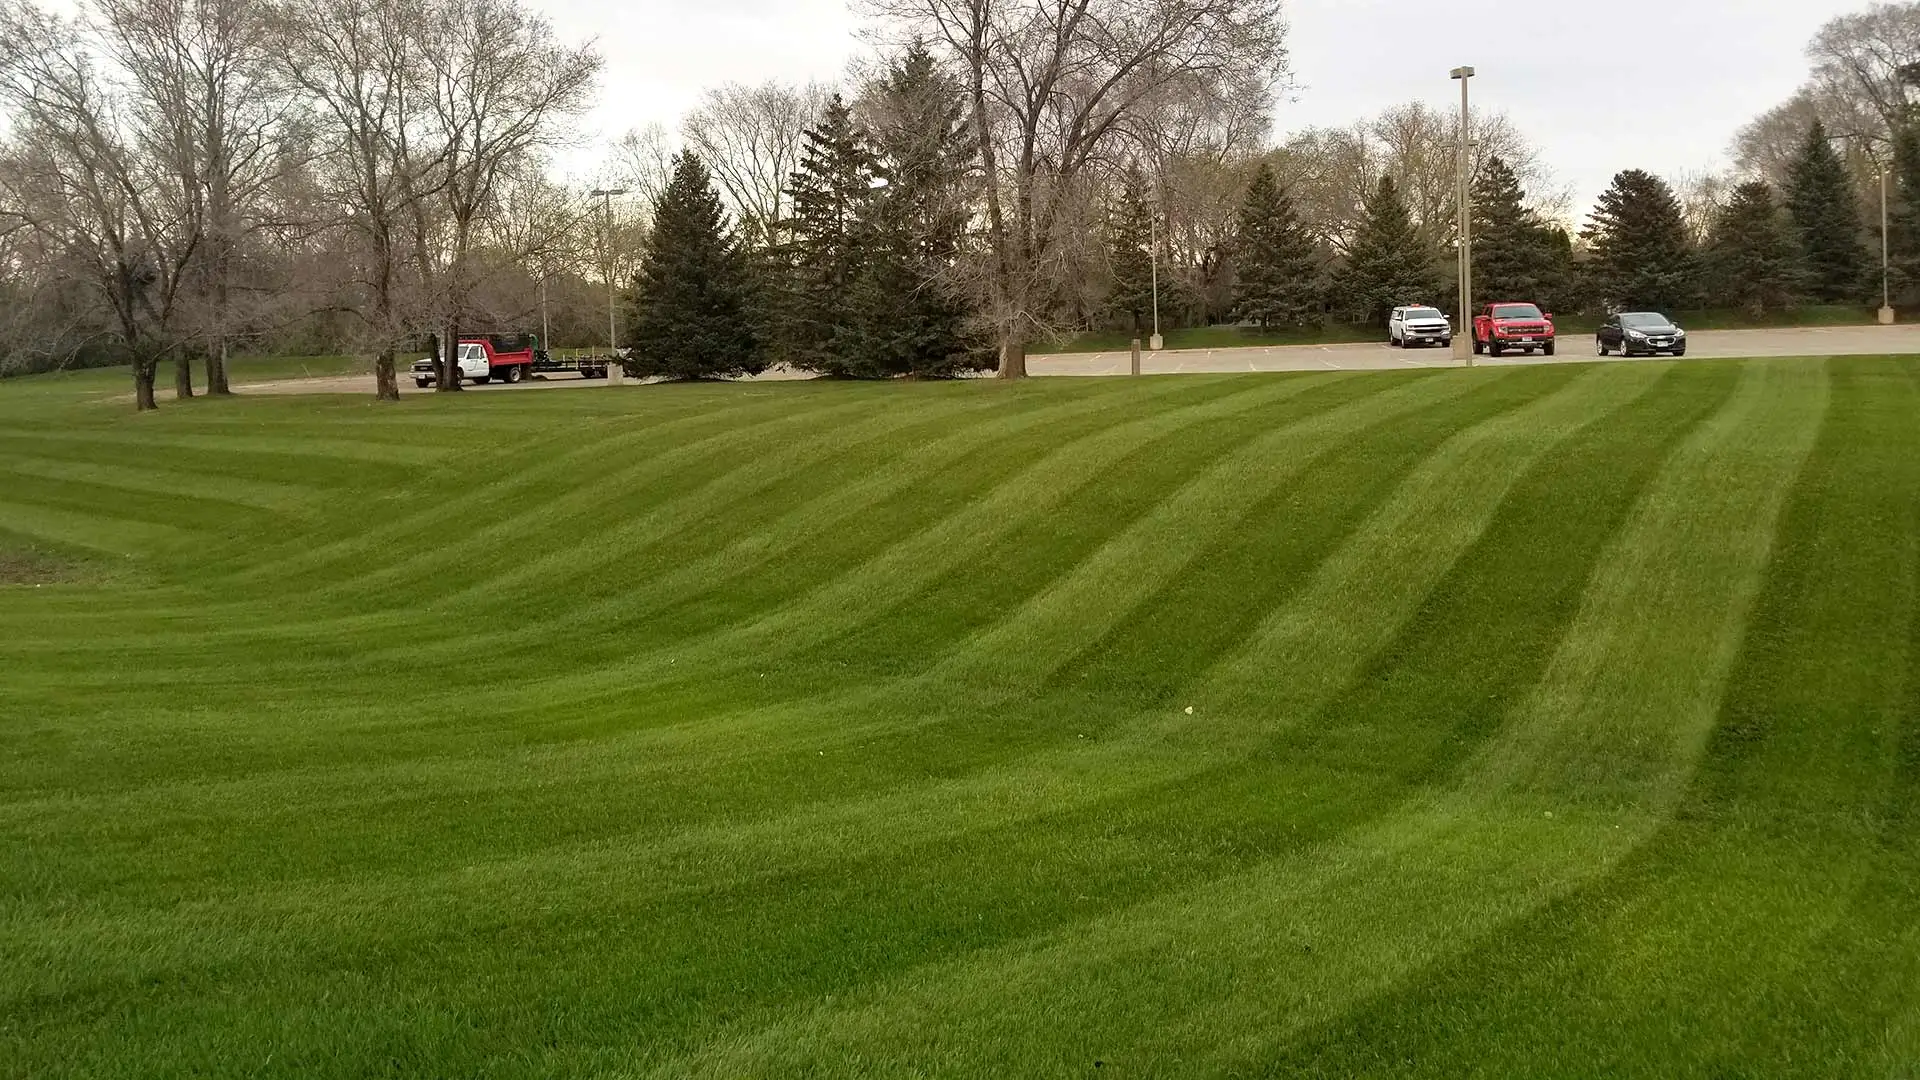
[{"x": 507, "y": 358}]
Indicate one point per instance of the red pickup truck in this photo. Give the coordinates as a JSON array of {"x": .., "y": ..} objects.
[{"x": 1509, "y": 325}]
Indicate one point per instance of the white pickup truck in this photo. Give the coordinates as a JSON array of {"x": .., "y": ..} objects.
[
  {"x": 499, "y": 358},
  {"x": 1410, "y": 326}
]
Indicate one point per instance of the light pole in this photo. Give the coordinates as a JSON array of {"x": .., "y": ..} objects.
[
  {"x": 605, "y": 195},
  {"x": 1153, "y": 274},
  {"x": 1886, "y": 288},
  {"x": 1463, "y": 345}
]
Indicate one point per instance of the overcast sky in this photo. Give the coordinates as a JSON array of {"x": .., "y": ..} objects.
[{"x": 1600, "y": 85}]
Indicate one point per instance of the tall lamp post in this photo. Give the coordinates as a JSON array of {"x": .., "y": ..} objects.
[
  {"x": 1463, "y": 333},
  {"x": 1886, "y": 287},
  {"x": 605, "y": 195},
  {"x": 1153, "y": 273}
]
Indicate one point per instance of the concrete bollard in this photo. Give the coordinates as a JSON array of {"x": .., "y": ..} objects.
[
  {"x": 1134, "y": 369},
  {"x": 1886, "y": 316},
  {"x": 615, "y": 373}
]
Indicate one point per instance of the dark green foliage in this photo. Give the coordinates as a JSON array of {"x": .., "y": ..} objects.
[
  {"x": 691, "y": 318},
  {"x": 829, "y": 192},
  {"x": 910, "y": 311},
  {"x": 1516, "y": 256},
  {"x": 1641, "y": 256},
  {"x": 1276, "y": 260},
  {"x": 1130, "y": 258},
  {"x": 1750, "y": 258},
  {"x": 1389, "y": 264},
  {"x": 1826, "y": 219},
  {"x": 1903, "y": 215}
]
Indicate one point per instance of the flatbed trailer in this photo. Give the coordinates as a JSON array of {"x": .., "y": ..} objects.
[{"x": 587, "y": 367}]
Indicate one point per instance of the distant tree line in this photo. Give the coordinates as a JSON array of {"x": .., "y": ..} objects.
[{"x": 361, "y": 174}]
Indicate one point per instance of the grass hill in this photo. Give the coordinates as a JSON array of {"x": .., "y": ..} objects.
[{"x": 1544, "y": 721}]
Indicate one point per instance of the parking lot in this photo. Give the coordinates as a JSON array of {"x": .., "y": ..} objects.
[{"x": 1705, "y": 344}]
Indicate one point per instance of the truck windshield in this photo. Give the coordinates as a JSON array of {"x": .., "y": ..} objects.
[
  {"x": 1515, "y": 311},
  {"x": 1424, "y": 313}
]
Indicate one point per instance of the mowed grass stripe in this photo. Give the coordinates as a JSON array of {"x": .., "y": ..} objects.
[
  {"x": 143, "y": 478},
  {"x": 958, "y": 541},
  {"x": 152, "y": 746},
  {"x": 1016, "y": 654},
  {"x": 1757, "y": 925},
  {"x": 637, "y": 567},
  {"x": 799, "y": 836},
  {"x": 108, "y": 535},
  {"x": 1167, "y": 989},
  {"x": 1434, "y": 516},
  {"x": 866, "y": 867},
  {"x": 444, "y": 561},
  {"x": 461, "y": 782},
  {"x": 581, "y": 460},
  {"x": 416, "y": 635}
]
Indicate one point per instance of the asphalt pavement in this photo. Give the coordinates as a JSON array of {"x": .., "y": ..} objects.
[{"x": 1703, "y": 344}]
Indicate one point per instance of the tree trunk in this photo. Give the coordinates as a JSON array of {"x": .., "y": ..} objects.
[
  {"x": 1013, "y": 355},
  {"x": 386, "y": 386},
  {"x": 183, "y": 375},
  {"x": 143, "y": 371},
  {"x": 449, "y": 362},
  {"x": 217, "y": 369}
]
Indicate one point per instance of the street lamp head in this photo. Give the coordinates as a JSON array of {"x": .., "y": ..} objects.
[
  {"x": 1461, "y": 73},
  {"x": 606, "y": 192}
]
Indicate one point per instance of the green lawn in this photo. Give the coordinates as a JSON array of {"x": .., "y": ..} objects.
[
  {"x": 1233, "y": 337},
  {"x": 1555, "y": 721}
]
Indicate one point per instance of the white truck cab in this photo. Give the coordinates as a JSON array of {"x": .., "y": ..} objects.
[
  {"x": 473, "y": 365},
  {"x": 1410, "y": 326}
]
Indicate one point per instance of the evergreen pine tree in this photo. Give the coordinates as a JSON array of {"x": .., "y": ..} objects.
[
  {"x": 1641, "y": 255},
  {"x": 1129, "y": 236},
  {"x": 1903, "y": 215},
  {"x": 828, "y": 193},
  {"x": 1826, "y": 220},
  {"x": 1388, "y": 264},
  {"x": 910, "y": 311},
  {"x": 691, "y": 318},
  {"x": 1750, "y": 260},
  {"x": 1516, "y": 256},
  {"x": 1276, "y": 261}
]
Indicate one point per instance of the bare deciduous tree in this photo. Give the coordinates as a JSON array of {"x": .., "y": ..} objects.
[
  {"x": 502, "y": 85},
  {"x": 1854, "y": 87},
  {"x": 354, "y": 62},
  {"x": 105, "y": 174},
  {"x": 1053, "y": 85},
  {"x": 751, "y": 138},
  {"x": 206, "y": 95},
  {"x": 1331, "y": 171}
]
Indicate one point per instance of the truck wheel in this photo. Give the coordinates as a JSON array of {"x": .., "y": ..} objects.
[
  {"x": 1494, "y": 348},
  {"x": 1547, "y": 349},
  {"x": 511, "y": 375},
  {"x": 423, "y": 383},
  {"x": 482, "y": 379}
]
